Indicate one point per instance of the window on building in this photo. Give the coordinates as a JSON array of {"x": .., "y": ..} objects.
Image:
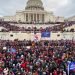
[
  {"x": 31, "y": 17},
  {"x": 26, "y": 17},
  {"x": 35, "y": 17},
  {"x": 11, "y": 35},
  {"x": 38, "y": 17},
  {"x": 42, "y": 17}
]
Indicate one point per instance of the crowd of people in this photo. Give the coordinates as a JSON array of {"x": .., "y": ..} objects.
[
  {"x": 8, "y": 27},
  {"x": 60, "y": 27},
  {"x": 36, "y": 58}
]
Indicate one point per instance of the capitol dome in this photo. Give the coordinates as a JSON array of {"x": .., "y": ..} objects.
[{"x": 34, "y": 5}]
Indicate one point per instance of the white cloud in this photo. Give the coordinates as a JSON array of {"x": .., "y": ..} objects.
[
  {"x": 55, "y": 4},
  {"x": 60, "y": 7}
]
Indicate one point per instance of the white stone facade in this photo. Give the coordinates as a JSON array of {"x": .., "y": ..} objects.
[
  {"x": 34, "y": 12},
  {"x": 30, "y": 36},
  {"x": 9, "y": 18},
  {"x": 71, "y": 18}
]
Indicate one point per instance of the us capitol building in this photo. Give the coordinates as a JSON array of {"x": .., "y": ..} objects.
[{"x": 34, "y": 12}]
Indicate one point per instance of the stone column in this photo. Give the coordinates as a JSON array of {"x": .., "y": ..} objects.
[
  {"x": 26, "y": 17},
  {"x": 40, "y": 17},
  {"x": 31, "y": 17},
  {"x": 43, "y": 17}
]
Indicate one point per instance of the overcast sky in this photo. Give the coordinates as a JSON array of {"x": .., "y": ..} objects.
[{"x": 64, "y": 8}]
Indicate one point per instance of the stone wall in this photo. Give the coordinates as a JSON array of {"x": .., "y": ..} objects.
[{"x": 31, "y": 36}]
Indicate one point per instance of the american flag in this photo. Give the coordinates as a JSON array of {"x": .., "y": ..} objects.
[{"x": 35, "y": 37}]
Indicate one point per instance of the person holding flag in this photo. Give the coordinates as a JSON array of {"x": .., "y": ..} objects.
[{"x": 35, "y": 37}]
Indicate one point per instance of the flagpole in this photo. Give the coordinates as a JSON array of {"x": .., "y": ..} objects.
[{"x": 69, "y": 67}]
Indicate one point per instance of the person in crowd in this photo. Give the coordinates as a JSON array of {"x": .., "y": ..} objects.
[{"x": 36, "y": 58}]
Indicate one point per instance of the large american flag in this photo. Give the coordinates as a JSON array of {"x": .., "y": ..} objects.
[{"x": 35, "y": 37}]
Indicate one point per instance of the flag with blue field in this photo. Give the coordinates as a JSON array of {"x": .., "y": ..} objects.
[
  {"x": 45, "y": 34},
  {"x": 72, "y": 66}
]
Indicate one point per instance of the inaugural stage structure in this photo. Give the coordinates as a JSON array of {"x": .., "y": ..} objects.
[{"x": 34, "y": 12}]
